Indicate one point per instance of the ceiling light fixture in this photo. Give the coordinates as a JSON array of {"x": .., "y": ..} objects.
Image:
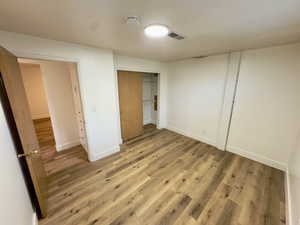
[{"x": 156, "y": 31}]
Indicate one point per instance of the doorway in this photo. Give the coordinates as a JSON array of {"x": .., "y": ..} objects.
[
  {"x": 138, "y": 102},
  {"x": 16, "y": 109},
  {"x": 34, "y": 121},
  {"x": 52, "y": 91}
]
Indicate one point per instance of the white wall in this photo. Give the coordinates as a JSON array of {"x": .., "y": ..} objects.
[
  {"x": 15, "y": 205},
  {"x": 195, "y": 96},
  {"x": 265, "y": 122},
  {"x": 58, "y": 87},
  {"x": 34, "y": 87},
  {"x": 97, "y": 84}
]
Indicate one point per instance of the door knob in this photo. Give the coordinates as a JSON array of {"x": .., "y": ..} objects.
[{"x": 33, "y": 152}]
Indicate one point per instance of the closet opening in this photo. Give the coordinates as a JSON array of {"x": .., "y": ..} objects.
[{"x": 138, "y": 102}]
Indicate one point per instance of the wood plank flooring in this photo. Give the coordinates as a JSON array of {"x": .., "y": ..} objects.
[
  {"x": 148, "y": 130},
  {"x": 54, "y": 161},
  {"x": 167, "y": 179}
]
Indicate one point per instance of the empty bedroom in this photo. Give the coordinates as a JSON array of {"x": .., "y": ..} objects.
[{"x": 150, "y": 112}]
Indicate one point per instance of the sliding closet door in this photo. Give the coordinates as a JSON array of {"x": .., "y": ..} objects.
[{"x": 131, "y": 103}]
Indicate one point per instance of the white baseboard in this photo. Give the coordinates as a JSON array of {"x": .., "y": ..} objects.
[
  {"x": 102, "y": 154},
  {"x": 244, "y": 153},
  {"x": 34, "y": 219},
  {"x": 257, "y": 157},
  {"x": 289, "y": 217},
  {"x": 191, "y": 135},
  {"x": 149, "y": 121},
  {"x": 68, "y": 145}
]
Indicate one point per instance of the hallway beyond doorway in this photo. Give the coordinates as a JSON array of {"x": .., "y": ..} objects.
[{"x": 54, "y": 161}]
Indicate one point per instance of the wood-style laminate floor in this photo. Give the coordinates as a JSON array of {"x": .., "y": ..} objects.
[
  {"x": 167, "y": 179},
  {"x": 148, "y": 130},
  {"x": 54, "y": 161}
]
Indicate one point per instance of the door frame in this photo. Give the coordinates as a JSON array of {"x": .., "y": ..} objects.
[
  {"x": 18, "y": 146},
  {"x": 75, "y": 82},
  {"x": 38, "y": 57},
  {"x": 15, "y": 135},
  {"x": 158, "y": 119}
]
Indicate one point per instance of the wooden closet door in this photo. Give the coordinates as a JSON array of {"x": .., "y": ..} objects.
[
  {"x": 17, "y": 104},
  {"x": 131, "y": 103}
]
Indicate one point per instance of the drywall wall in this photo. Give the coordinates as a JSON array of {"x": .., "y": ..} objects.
[
  {"x": 293, "y": 186},
  {"x": 148, "y": 66},
  {"x": 15, "y": 205},
  {"x": 97, "y": 84},
  {"x": 34, "y": 87},
  {"x": 149, "y": 90},
  {"x": 58, "y": 87},
  {"x": 195, "y": 96},
  {"x": 265, "y": 122}
]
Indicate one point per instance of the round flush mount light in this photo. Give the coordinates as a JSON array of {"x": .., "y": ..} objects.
[{"x": 156, "y": 31}]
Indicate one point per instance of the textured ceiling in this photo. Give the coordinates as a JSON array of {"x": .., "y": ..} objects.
[{"x": 210, "y": 26}]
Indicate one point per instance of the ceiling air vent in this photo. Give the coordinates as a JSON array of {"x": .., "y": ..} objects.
[
  {"x": 134, "y": 20},
  {"x": 175, "y": 36}
]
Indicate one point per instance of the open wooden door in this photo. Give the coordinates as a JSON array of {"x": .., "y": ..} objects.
[
  {"x": 17, "y": 110},
  {"x": 130, "y": 86}
]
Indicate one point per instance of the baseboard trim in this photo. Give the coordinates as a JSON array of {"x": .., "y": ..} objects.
[
  {"x": 149, "y": 122},
  {"x": 67, "y": 145},
  {"x": 34, "y": 219},
  {"x": 188, "y": 134},
  {"x": 145, "y": 122},
  {"x": 102, "y": 154},
  {"x": 289, "y": 217},
  {"x": 238, "y": 151},
  {"x": 258, "y": 158}
]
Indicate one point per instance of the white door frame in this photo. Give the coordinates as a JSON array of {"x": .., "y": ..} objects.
[{"x": 35, "y": 56}]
